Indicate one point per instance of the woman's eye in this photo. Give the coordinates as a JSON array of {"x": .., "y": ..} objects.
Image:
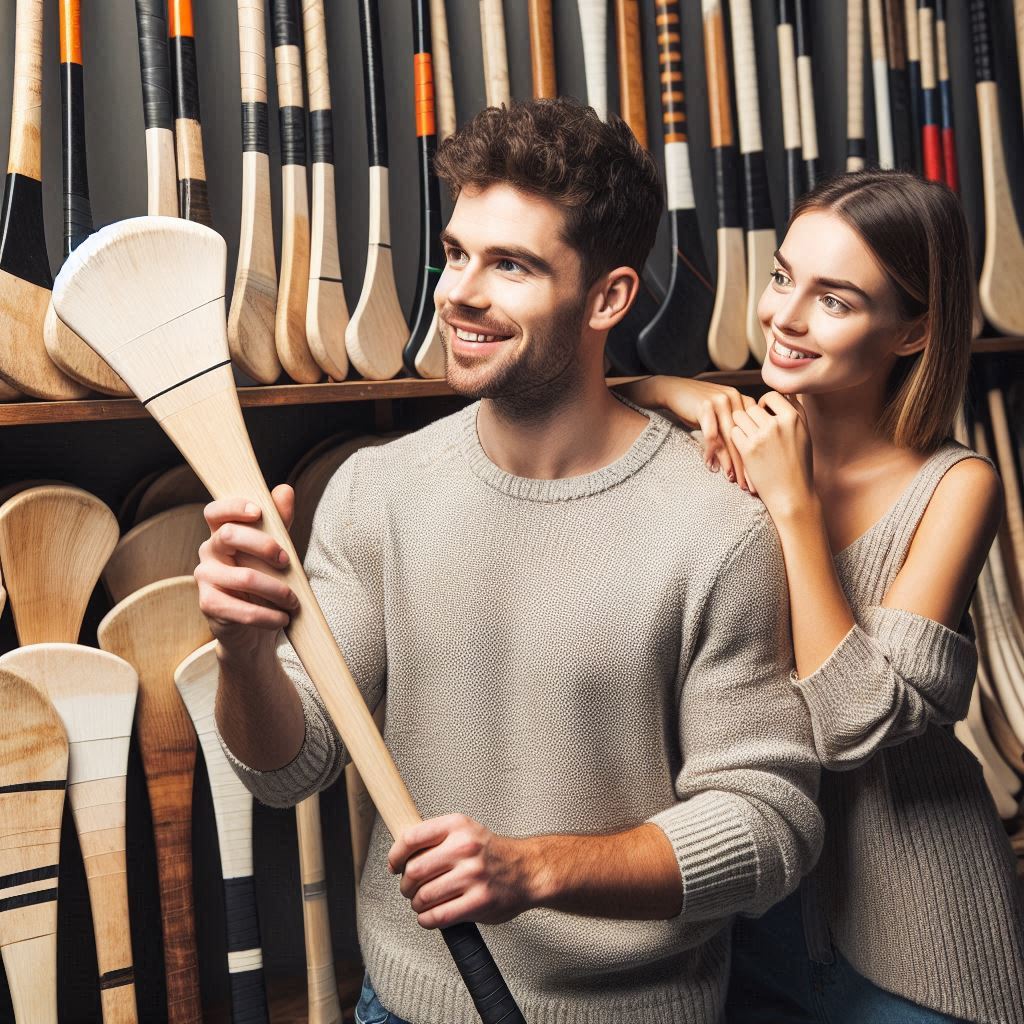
[
  {"x": 779, "y": 278},
  {"x": 834, "y": 305}
]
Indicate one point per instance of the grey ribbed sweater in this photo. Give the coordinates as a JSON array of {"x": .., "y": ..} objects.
[
  {"x": 567, "y": 656},
  {"x": 917, "y": 881}
]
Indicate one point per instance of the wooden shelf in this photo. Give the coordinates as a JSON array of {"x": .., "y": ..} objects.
[{"x": 21, "y": 413}]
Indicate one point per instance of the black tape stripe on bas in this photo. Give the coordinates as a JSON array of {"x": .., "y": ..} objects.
[
  {"x": 248, "y": 997},
  {"x": 255, "y": 128},
  {"x": 321, "y": 136},
  {"x": 29, "y": 899},
  {"x": 285, "y": 24},
  {"x": 330, "y": 280},
  {"x": 32, "y": 787},
  {"x": 22, "y": 237},
  {"x": 186, "y": 79},
  {"x": 201, "y": 373},
  {"x": 243, "y": 926},
  {"x": 29, "y": 875},
  {"x": 115, "y": 979},
  {"x": 292, "y": 121},
  {"x": 314, "y": 890},
  {"x": 857, "y": 147}
]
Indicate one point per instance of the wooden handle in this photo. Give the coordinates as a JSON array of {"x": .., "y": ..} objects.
[
  {"x": 27, "y": 102},
  {"x": 492, "y": 36},
  {"x": 805, "y": 83},
  {"x": 745, "y": 59},
  {"x": 443, "y": 85},
  {"x": 542, "y": 50},
  {"x": 77, "y": 211},
  {"x": 880, "y": 81},
  {"x": 913, "y": 34},
  {"x": 790, "y": 92},
  {"x": 856, "y": 151},
  {"x": 373, "y": 84},
  {"x": 594, "y": 29},
  {"x": 1018, "y": 20},
  {"x": 678, "y": 181},
  {"x": 157, "y": 105},
  {"x": 949, "y": 159},
  {"x": 632, "y": 102},
  {"x": 193, "y": 196},
  {"x": 719, "y": 104},
  {"x": 931, "y": 131}
]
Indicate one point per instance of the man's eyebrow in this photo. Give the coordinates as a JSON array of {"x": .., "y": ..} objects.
[
  {"x": 511, "y": 252},
  {"x": 826, "y": 282}
]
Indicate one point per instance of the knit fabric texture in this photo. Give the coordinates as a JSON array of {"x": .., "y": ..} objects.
[
  {"x": 579, "y": 655},
  {"x": 917, "y": 882}
]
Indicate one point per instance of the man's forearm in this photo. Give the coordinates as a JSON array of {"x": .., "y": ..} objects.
[{"x": 259, "y": 712}]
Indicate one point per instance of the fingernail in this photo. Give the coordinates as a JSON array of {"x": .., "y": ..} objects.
[
  {"x": 283, "y": 557},
  {"x": 251, "y": 509},
  {"x": 732, "y": 476}
]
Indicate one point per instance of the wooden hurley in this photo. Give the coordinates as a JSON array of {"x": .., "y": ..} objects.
[
  {"x": 1013, "y": 520},
  {"x": 377, "y": 332},
  {"x": 805, "y": 83},
  {"x": 1002, "y": 298},
  {"x": 178, "y": 485},
  {"x": 495, "y": 51},
  {"x": 33, "y": 777},
  {"x": 166, "y": 337},
  {"x": 153, "y": 630},
  {"x": 94, "y": 694},
  {"x": 25, "y": 280},
  {"x": 790, "y": 94},
  {"x": 931, "y": 117},
  {"x": 632, "y": 105},
  {"x": 676, "y": 339},
  {"x": 880, "y": 81},
  {"x": 52, "y": 534},
  {"x": 972, "y": 734},
  {"x": 424, "y": 328},
  {"x": 913, "y": 42},
  {"x": 757, "y": 204},
  {"x": 542, "y": 50},
  {"x": 196, "y": 679},
  {"x": 949, "y": 160},
  {"x": 727, "y": 334},
  {"x": 856, "y": 147},
  {"x": 151, "y": 19},
  {"x": 293, "y": 289},
  {"x": 594, "y": 29},
  {"x": 162, "y": 546},
  {"x": 193, "y": 197},
  {"x": 63, "y": 346},
  {"x": 326, "y": 309},
  {"x": 903, "y": 125},
  {"x": 254, "y": 299}
]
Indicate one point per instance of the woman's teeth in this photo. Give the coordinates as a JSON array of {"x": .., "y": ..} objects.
[
  {"x": 470, "y": 336},
  {"x": 789, "y": 353}
]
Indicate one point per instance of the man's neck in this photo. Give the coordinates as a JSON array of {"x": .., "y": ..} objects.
[{"x": 590, "y": 429}]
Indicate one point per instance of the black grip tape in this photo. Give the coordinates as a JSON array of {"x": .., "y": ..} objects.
[
  {"x": 255, "y": 128},
  {"x": 151, "y": 18},
  {"x": 194, "y": 201},
  {"x": 23, "y": 254},
  {"x": 794, "y": 177},
  {"x": 373, "y": 82},
  {"x": 285, "y": 24},
  {"x": 186, "y": 78},
  {"x": 727, "y": 187},
  {"x": 981, "y": 40},
  {"x": 486, "y": 986},
  {"x": 803, "y": 29},
  {"x": 757, "y": 204},
  {"x": 243, "y": 924},
  {"x": 321, "y": 136},
  {"x": 292, "y": 121},
  {"x": 77, "y": 211},
  {"x": 248, "y": 998}
]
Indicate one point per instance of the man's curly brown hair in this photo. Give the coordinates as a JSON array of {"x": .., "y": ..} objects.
[{"x": 562, "y": 151}]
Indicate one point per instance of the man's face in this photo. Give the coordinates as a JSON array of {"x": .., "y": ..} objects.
[{"x": 510, "y": 299}]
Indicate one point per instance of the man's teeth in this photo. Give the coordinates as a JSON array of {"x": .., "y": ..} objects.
[
  {"x": 470, "y": 336},
  {"x": 789, "y": 353}
]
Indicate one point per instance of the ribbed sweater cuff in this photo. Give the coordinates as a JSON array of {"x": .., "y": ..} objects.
[
  {"x": 311, "y": 770},
  {"x": 717, "y": 855}
]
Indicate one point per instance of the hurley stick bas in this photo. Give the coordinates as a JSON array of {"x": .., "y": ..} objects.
[
  {"x": 790, "y": 95},
  {"x": 377, "y": 331},
  {"x": 326, "y": 309},
  {"x": 25, "y": 280},
  {"x": 632, "y": 105},
  {"x": 64, "y": 347},
  {"x": 856, "y": 149},
  {"x": 931, "y": 118},
  {"x": 169, "y": 344},
  {"x": 676, "y": 339},
  {"x": 594, "y": 29},
  {"x": 542, "y": 50},
  {"x": 293, "y": 288},
  {"x": 254, "y": 299},
  {"x": 880, "y": 81}
]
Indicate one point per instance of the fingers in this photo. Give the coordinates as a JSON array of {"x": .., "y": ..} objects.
[
  {"x": 422, "y": 836},
  {"x": 232, "y": 539},
  {"x": 715, "y": 421},
  {"x": 284, "y": 499},
  {"x": 781, "y": 405}
]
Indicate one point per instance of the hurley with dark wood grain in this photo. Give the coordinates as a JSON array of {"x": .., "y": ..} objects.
[
  {"x": 542, "y": 50},
  {"x": 632, "y": 101},
  {"x": 193, "y": 197}
]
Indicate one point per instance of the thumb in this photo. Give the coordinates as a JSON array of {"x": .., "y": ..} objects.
[{"x": 284, "y": 499}]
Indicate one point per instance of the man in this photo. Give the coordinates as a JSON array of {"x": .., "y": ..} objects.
[{"x": 580, "y": 634}]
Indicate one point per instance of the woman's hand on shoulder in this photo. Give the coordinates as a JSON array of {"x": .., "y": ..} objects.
[{"x": 699, "y": 405}]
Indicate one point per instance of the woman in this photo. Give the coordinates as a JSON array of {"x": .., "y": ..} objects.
[{"x": 913, "y": 913}]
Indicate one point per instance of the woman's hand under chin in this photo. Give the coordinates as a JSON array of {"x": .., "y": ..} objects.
[{"x": 775, "y": 445}]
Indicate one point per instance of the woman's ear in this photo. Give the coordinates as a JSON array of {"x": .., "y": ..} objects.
[
  {"x": 612, "y": 296},
  {"x": 914, "y": 337}
]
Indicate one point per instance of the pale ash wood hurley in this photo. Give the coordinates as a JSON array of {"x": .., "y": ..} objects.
[{"x": 166, "y": 338}]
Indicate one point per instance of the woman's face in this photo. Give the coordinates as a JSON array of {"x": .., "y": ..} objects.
[{"x": 830, "y": 315}]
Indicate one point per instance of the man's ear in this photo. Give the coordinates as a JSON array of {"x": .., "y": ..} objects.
[
  {"x": 915, "y": 337},
  {"x": 612, "y": 295}
]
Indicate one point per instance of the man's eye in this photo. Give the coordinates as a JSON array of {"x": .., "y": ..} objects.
[
  {"x": 509, "y": 265},
  {"x": 456, "y": 255}
]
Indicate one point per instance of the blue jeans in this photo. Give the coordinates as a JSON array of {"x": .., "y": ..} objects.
[
  {"x": 369, "y": 1010},
  {"x": 774, "y": 981}
]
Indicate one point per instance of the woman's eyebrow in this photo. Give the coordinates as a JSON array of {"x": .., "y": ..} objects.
[{"x": 826, "y": 282}]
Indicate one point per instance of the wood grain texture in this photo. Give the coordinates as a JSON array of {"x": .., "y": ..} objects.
[
  {"x": 632, "y": 101},
  {"x": 361, "y": 812},
  {"x": 444, "y": 86},
  {"x": 153, "y": 630},
  {"x": 176, "y": 486},
  {"x": 54, "y": 542},
  {"x": 1013, "y": 517},
  {"x": 855, "y": 146},
  {"x": 94, "y": 693},
  {"x": 33, "y": 776},
  {"x": 981, "y": 746},
  {"x": 495, "y": 52},
  {"x": 594, "y": 30},
  {"x": 74, "y": 358},
  {"x": 542, "y": 50},
  {"x": 430, "y": 360},
  {"x": 880, "y": 82},
  {"x": 1018, "y": 22},
  {"x": 1008, "y": 779},
  {"x": 193, "y": 196},
  {"x": 25, "y": 155},
  {"x": 164, "y": 545}
]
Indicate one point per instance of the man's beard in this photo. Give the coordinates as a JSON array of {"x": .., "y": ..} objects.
[{"x": 528, "y": 386}]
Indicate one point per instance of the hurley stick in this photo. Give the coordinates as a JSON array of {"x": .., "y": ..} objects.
[
  {"x": 25, "y": 280},
  {"x": 293, "y": 290},
  {"x": 757, "y": 206},
  {"x": 949, "y": 161},
  {"x": 904, "y": 131},
  {"x": 33, "y": 777},
  {"x": 981, "y": 746},
  {"x": 377, "y": 332},
  {"x": 178, "y": 485},
  {"x": 856, "y": 150},
  {"x": 727, "y": 334},
  {"x": 594, "y": 29},
  {"x": 790, "y": 95},
  {"x": 913, "y": 42},
  {"x": 151, "y": 18},
  {"x": 154, "y": 630},
  {"x": 931, "y": 130},
  {"x": 1013, "y": 520},
  {"x": 53, "y": 535},
  {"x": 492, "y": 37},
  {"x": 254, "y": 299},
  {"x": 632, "y": 104},
  {"x": 1006, "y": 777},
  {"x": 805, "y": 83},
  {"x": 326, "y": 309},
  {"x": 424, "y": 314},
  {"x": 196, "y": 679},
  {"x": 167, "y": 341},
  {"x": 162, "y": 546},
  {"x": 880, "y": 80},
  {"x": 542, "y": 50},
  {"x": 1002, "y": 298},
  {"x": 94, "y": 694},
  {"x": 676, "y": 339}
]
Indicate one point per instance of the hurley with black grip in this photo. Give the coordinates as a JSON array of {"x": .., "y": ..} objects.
[
  {"x": 155, "y": 66},
  {"x": 193, "y": 199}
]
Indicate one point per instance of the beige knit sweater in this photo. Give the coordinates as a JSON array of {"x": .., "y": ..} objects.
[
  {"x": 917, "y": 881},
  {"x": 567, "y": 656}
]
